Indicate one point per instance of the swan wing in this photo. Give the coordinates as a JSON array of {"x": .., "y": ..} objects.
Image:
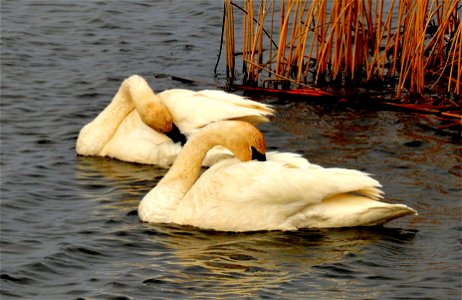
[
  {"x": 192, "y": 110},
  {"x": 238, "y": 196}
]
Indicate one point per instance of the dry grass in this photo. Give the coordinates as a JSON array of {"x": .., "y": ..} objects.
[{"x": 410, "y": 44}]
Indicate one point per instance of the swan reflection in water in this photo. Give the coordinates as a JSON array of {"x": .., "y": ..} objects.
[{"x": 243, "y": 264}]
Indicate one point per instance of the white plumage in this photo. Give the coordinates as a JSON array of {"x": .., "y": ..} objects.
[
  {"x": 132, "y": 127},
  {"x": 286, "y": 192}
]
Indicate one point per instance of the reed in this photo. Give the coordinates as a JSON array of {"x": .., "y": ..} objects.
[
  {"x": 410, "y": 45},
  {"x": 229, "y": 38}
]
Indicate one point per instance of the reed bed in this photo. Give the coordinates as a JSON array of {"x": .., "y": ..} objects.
[{"x": 408, "y": 45}]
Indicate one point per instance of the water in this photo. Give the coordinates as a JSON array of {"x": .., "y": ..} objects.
[{"x": 68, "y": 224}]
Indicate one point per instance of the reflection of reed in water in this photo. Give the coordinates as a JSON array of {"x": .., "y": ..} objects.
[{"x": 217, "y": 264}]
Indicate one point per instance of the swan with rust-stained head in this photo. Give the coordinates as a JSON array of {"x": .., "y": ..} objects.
[
  {"x": 282, "y": 191},
  {"x": 143, "y": 127}
]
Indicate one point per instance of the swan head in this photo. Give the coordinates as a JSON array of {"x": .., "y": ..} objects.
[
  {"x": 157, "y": 116},
  {"x": 243, "y": 139}
]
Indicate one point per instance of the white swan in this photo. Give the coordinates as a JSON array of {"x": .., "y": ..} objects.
[
  {"x": 285, "y": 192},
  {"x": 137, "y": 125}
]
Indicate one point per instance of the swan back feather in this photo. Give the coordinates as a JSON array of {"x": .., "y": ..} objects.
[
  {"x": 193, "y": 110},
  {"x": 265, "y": 195}
]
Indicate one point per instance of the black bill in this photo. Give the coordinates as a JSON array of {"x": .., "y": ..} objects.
[
  {"x": 176, "y": 135},
  {"x": 257, "y": 155}
]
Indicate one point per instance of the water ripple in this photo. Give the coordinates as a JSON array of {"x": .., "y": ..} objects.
[{"x": 69, "y": 224}]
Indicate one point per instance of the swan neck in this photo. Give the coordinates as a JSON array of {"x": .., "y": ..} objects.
[
  {"x": 140, "y": 93},
  {"x": 95, "y": 135},
  {"x": 120, "y": 106},
  {"x": 186, "y": 168},
  {"x": 133, "y": 93}
]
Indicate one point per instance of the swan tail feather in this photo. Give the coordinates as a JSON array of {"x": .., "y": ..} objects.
[
  {"x": 255, "y": 112},
  {"x": 265, "y": 109},
  {"x": 383, "y": 214},
  {"x": 253, "y": 119},
  {"x": 347, "y": 210}
]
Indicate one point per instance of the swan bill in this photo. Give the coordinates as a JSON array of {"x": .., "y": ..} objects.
[
  {"x": 176, "y": 135},
  {"x": 257, "y": 155}
]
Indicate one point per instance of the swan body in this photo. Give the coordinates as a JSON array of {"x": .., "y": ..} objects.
[
  {"x": 135, "y": 126},
  {"x": 285, "y": 192}
]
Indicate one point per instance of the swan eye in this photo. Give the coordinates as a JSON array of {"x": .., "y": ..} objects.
[{"x": 257, "y": 155}]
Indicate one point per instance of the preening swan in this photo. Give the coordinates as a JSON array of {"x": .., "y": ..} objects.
[
  {"x": 284, "y": 192},
  {"x": 143, "y": 127}
]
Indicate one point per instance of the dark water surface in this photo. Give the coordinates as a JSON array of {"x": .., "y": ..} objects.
[{"x": 68, "y": 227}]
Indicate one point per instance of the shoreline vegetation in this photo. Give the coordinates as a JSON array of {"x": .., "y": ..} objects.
[{"x": 406, "y": 54}]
